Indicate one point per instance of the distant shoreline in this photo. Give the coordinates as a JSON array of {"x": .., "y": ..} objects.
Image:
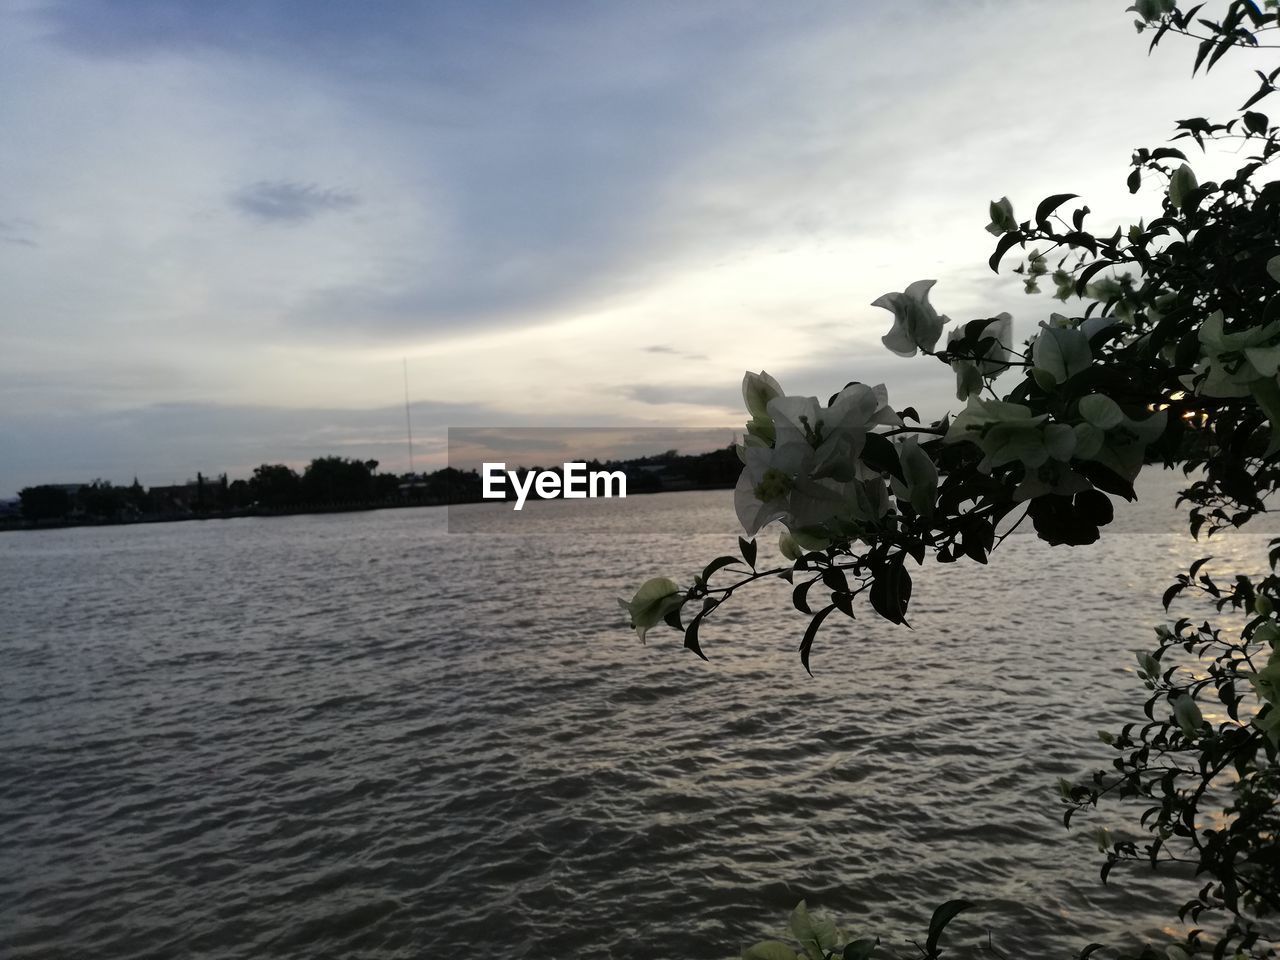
[{"x": 21, "y": 525}]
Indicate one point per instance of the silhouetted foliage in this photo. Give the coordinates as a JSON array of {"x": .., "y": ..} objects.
[
  {"x": 1177, "y": 332},
  {"x": 45, "y": 502},
  {"x": 275, "y": 485},
  {"x": 338, "y": 480}
]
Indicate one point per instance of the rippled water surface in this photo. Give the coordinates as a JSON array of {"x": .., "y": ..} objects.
[{"x": 362, "y": 736}]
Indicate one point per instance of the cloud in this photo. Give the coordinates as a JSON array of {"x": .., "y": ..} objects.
[
  {"x": 158, "y": 28},
  {"x": 669, "y": 351},
  {"x": 726, "y": 396},
  {"x": 573, "y": 206},
  {"x": 284, "y": 201},
  {"x": 18, "y": 232}
]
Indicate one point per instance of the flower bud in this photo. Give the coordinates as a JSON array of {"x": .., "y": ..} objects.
[
  {"x": 757, "y": 390},
  {"x": 652, "y": 602},
  {"x": 1181, "y": 184},
  {"x": 1187, "y": 714}
]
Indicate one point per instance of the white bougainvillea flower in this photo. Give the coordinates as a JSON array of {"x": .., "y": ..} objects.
[
  {"x": 995, "y": 357},
  {"x": 810, "y": 474},
  {"x": 1002, "y": 219},
  {"x": 789, "y": 547},
  {"x": 829, "y": 434},
  {"x": 1116, "y": 441},
  {"x": 653, "y": 601},
  {"x": 990, "y": 363},
  {"x": 920, "y": 474},
  {"x": 1007, "y": 432},
  {"x": 1060, "y": 352},
  {"x": 764, "y": 488},
  {"x": 823, "y": 510},
  {"x": 968, "y": 379},
  {"x": 856, "y": 407},
  {"x": 836, "y": 433},
  {"x": 916, "y": 325},
  {"x": 1230, "y": 362}
]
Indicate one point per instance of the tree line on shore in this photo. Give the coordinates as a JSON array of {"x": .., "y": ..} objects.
[{"x": 331, "y": 483}]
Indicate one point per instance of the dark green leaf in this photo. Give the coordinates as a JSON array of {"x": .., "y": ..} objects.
[
  {"x": 748, "y": 548},
  {"x": 1088, "y": 273},
  {"x": 891, "y": 591},
  {"x": 860, "y": 949},
  {"x": 1002, "y": 247},
  {"x": 718, "y": 563},
  {"x": 691, "y": 636},
  {"x": 1202, "y": 52},
  {"x": 1104, "y": 478},
  {"x": 1050, "y": 204},
  {"x": 1223, "y": 46},
  {"x": 1265, "y": 90},
  {"x": 880, "y": 454},
  {"x": 810, "y": 633},
  {"x": 834, "y": 578},
  {"x": 1095, "y": 506},
  {"x": 799, "y": 596},
  {"x": 1079, "y": 238},
  {"x": 941, "y": 917}
]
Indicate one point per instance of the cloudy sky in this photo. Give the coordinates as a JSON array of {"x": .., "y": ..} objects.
[{"x": 224, "y": 225}]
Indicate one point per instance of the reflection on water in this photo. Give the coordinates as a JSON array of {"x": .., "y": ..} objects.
[{"x": 358, "y": 735}]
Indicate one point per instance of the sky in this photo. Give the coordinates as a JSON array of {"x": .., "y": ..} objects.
[{"x": 227, "y": 228}]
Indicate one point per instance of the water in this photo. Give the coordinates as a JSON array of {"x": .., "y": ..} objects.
[{"x": 360, "y": 736}]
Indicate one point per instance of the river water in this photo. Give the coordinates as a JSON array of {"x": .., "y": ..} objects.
[{"x": 359, "y": 735}]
